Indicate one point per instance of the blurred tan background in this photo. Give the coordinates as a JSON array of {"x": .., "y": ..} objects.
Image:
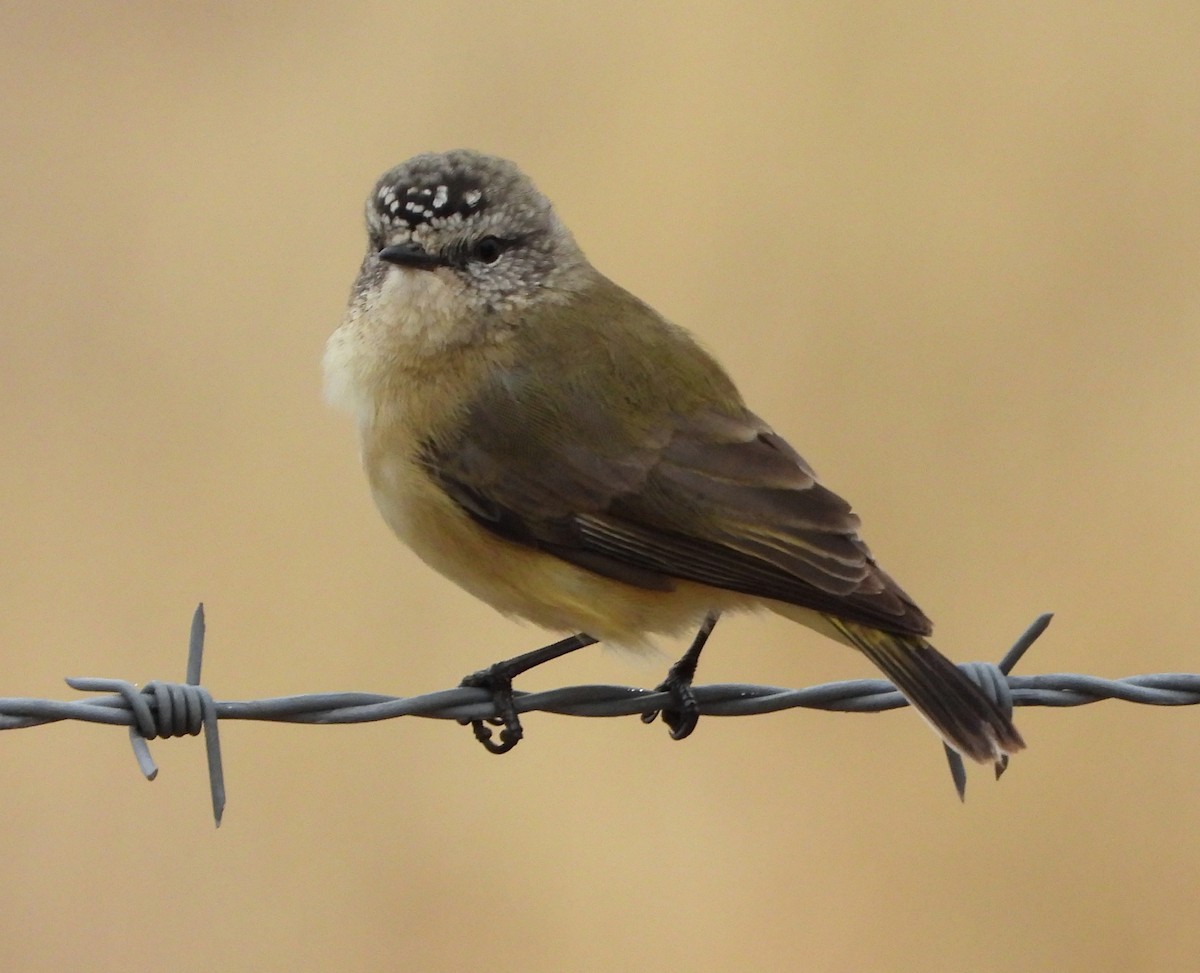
[{"x": 949, "y": 250}]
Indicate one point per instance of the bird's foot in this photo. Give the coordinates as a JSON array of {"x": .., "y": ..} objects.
[
  {"x": 682, "y": 713},
  {"x": 497, "y": 679}
]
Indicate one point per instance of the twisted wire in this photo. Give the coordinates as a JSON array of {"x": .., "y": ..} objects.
[{"x": 161, "y": 709}]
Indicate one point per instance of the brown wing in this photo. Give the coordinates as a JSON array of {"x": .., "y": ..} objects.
[{"x": 711, "y": 497}]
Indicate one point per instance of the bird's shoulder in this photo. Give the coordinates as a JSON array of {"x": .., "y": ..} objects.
[
  {"x": 629, "y": 451},
  {"x": 607, "y": 334}
]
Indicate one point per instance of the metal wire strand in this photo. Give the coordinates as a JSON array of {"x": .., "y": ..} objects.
[
  {"x": 178, "y": 709},
  {"x": 160, "y": 709}
]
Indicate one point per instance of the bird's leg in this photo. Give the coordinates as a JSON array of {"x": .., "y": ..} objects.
[
  {"x": 682, "y": 714},
  {"x": 497, "y": 679}
]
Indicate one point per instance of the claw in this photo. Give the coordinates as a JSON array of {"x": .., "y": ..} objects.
[
  {"x": 498, "y": 681},
  {"x": 683, "y": 712}
]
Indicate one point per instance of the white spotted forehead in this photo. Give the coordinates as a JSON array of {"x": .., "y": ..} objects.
[
  {"x": 412, "y": 200},
  {"x": 428, "y": 202}
]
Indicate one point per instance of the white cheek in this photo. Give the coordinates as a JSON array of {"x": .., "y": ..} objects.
[
  {"x": 411, "y": 314},
  {"x": 418, "y": 304},
  {"x": 346, "y": 366}
]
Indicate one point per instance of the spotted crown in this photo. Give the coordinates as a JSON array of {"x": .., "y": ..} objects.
[
  {"x": 444, "y": 188},
  {"x": 423, "y": 201}
]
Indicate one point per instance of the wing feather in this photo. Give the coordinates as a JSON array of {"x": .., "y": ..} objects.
[
  {"x": 718, "y": 499},
  {"x": 674, "y": 480}
]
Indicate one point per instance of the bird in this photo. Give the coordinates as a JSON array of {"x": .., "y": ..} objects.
[{"x": 556, "y": 447}]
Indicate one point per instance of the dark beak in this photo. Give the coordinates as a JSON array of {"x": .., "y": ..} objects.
[{"x": 410, "y": 255}]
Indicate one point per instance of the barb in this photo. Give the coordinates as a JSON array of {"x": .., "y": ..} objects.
[{"x": 171, "y": 709}]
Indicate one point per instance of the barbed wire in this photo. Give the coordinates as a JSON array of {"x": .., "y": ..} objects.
[{"x": 161, "y": 709}]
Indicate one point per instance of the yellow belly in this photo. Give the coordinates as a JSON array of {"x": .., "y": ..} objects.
[{"x": 525, "y": 582}]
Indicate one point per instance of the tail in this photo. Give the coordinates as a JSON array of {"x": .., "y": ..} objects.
[{"x": 953, "y": 705}]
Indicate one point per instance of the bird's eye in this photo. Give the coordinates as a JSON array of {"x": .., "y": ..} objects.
[{"x": 489, "y": 249}]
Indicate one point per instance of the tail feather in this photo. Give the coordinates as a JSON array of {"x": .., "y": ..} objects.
[{"x": 952, "y": 704}]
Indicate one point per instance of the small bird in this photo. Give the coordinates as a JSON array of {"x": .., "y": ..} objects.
[{"x": 555, "y": 446}]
